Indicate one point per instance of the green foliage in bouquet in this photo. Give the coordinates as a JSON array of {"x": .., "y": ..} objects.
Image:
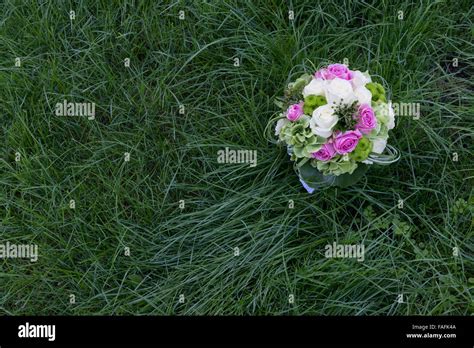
[
  {"x": 345, "y": 114},
  {"x": 316, "y": 179},
  {"x": 294, "y": 89}
]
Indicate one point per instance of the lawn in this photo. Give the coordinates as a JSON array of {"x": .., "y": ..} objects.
[{"x": 131, "y": 211}]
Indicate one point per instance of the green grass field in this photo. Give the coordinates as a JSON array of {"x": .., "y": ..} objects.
[{"x": 129, "y": 248}]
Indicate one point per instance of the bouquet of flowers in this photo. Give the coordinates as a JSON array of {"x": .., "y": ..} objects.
[{"x": 335, "y": 125}]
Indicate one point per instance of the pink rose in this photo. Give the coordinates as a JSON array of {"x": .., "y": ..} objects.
[
  {"x": 334, "y": 70},
  {"x": 321, "y": 74},
  {"x": 325, "y": 153},
  {"x": 366, "y": 119},
  {"x": 294, "y": 112},
  {"x": 346, "y": 142}
]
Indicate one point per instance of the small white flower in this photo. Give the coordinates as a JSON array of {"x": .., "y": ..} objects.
[
  {"x": 281, "y": 122},
  {"x": 360, "y": 79},
  {"x": 379, "y": 145},
  {"x": 339, "y": 91},
  {"x": 315, "y": 87},
  {"x": 323, "y": 121},
  {"x": 363, "y": 95}
]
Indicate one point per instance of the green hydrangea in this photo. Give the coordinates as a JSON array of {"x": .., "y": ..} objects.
[
  {"x": 299, "y": 136},
  {"x": 381, "y": 114},
  {"x": 338, "y": 167}
]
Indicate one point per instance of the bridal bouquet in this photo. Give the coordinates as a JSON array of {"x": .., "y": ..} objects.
[{"x": 335, "y": 125}]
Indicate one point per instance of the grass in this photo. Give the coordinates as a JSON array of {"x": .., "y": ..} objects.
[{"x": 173, "y": 157}]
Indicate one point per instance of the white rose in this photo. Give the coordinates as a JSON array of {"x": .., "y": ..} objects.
[
  {"x": 323, "y": 121},
  {"x": 360, "y": 79},
  {"x": 315, "y": 87},
  {"x": 281, "y": 122},
  {"x": 379, "y": 144},
  {"x": 363, "y": 95},
  {"x": 339, "y": 91}
]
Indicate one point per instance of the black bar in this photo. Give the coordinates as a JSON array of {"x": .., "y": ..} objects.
[{"x": 206, "y": 330}]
